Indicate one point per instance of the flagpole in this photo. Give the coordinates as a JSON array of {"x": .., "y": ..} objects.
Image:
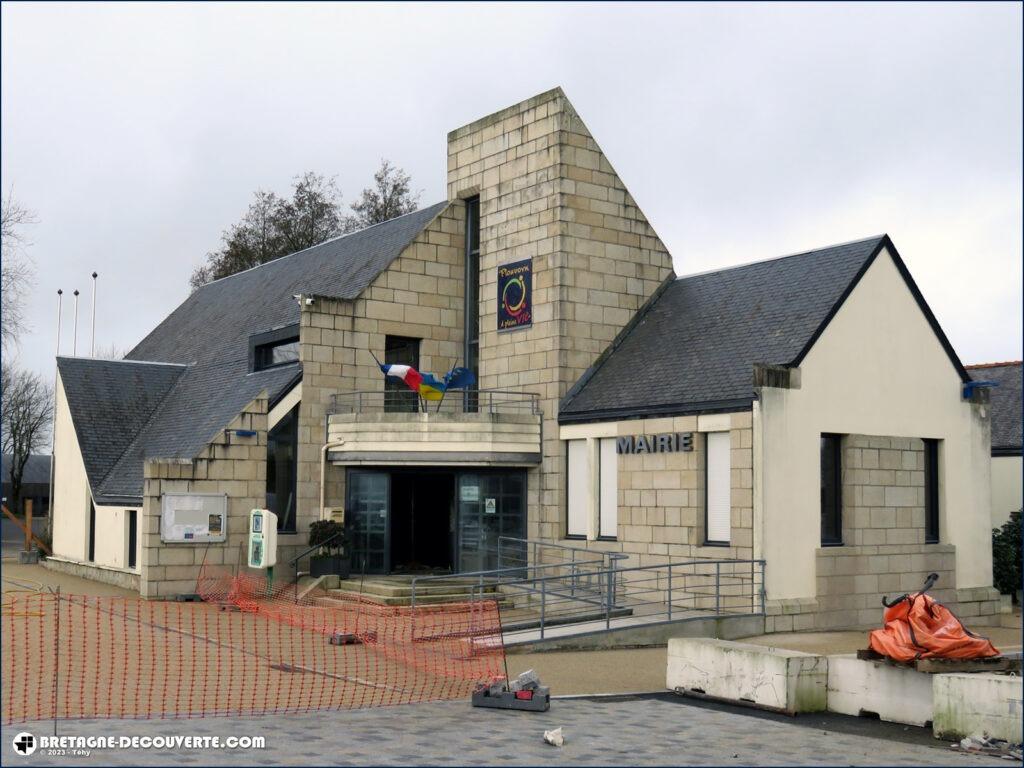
[{"x": 443, "y": 394}]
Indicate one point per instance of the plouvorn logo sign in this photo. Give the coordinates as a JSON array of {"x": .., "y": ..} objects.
[{"x": 515, "y": 295}]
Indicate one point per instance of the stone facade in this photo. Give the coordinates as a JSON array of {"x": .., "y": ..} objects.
[
  {"x": 420, "y": 295},
  {"x": 548, "y": 193},
  {"x": 229, "y": 464},
  {"x": 884, "y": 551}
]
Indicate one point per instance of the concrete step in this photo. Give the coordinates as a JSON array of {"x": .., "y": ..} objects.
[
  {"x": 403, "y": 588},
  {"x": 406, "y": 600}
]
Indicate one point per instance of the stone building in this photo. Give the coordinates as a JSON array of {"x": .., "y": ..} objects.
[
  {"x": 806, "y": 411},
  {"x": 1007, "y": 453}
]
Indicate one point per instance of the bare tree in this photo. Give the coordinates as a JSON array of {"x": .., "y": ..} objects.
[
  {"x": 110, "y": 352},
  {"x": 391, "y": 195},
  {"x": 26, "y": 413},
  {"x": 17, "y": 271}
]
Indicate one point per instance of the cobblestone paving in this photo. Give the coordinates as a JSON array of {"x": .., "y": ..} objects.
[{"x": 642, "y": 731}]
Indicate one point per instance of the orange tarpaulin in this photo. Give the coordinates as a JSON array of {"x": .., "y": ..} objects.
[{"x": 918, "y": 627}]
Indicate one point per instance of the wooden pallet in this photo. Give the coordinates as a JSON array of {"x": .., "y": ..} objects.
[{"x": 939, "y": 666}]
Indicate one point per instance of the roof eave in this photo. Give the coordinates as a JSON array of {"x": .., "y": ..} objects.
[{"x": 669, "y": 409}]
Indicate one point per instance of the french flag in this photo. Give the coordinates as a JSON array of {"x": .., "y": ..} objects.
[{"x": 406, "y": 373}]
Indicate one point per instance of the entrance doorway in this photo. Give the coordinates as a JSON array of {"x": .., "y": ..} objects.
[
  {"x": 422, "y": 521},
  {"x": 433, "y": 520}
]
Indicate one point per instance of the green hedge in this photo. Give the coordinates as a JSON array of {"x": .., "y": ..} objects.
[{"x": 1006, "y": 556}]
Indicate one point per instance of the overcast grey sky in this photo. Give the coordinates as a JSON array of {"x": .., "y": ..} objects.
[{"x": 138, "y": 133}]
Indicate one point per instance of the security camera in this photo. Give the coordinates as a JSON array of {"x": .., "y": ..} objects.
[{"x": 309, "y": 302}]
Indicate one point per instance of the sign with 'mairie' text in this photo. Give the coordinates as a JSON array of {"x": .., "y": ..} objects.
[
  {"x": 515, "y": 295},
  {"x": 670, "y": 442}
]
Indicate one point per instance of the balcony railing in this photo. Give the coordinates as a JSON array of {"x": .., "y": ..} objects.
[{"x": 482, "y": 401}]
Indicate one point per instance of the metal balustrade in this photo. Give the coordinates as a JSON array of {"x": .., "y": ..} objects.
[{"x": 482, "y": 401}]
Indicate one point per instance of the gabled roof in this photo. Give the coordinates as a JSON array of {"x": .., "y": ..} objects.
[
  {"x": 693, "y": 347},
  {"x": 110, "y": 402},
  {"x": 1005, "y": 404},
  {"x": 205, "y": 342}
]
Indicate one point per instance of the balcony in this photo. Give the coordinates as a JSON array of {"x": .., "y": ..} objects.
[{"x": 478, "y": 428}]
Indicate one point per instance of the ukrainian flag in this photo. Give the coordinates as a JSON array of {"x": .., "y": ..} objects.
[{"x": 430, "y": 388}]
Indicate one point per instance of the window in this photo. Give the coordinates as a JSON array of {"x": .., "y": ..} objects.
[
  {"x": 831, "y": 491},
  {"x": 133, "y": 535},
  {"x": 282, "y": 445},
  {"x": 577, "y": 487},
  {"x": 274, "y": 348},
  {"x": 717, "y": 488},
  {"x": 609, "y": 499},
  {"x": 92, "y": 532},
  {"x": 931, "y": 491},
  {"x": 398, "y": 398},
  {"x": 471, "y": 313}
]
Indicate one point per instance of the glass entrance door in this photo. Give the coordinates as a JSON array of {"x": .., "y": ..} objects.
[
  {"x": 491, "y": 505},
  {"x": 366, "y": 520}
]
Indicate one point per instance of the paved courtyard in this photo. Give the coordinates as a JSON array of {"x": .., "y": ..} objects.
[{"x": 650, "y": 730}]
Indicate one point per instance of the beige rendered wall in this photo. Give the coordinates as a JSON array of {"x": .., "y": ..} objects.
[
  {"x": 112, "y": 536},
  {"x": 548, "y": 193},
  {"x": 71, "y": 492},
  {"x": 1007, "y": 487},
  {"x": 877, "y": 369}
]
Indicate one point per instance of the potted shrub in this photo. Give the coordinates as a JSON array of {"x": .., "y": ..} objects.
[{"x": 331, "y": 559}]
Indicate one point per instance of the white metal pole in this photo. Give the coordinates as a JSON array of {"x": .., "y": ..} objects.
[
  {"x": 74, "y": 336},
  {"x": 53, "y": 427},
  {"x": 92, "y": 344}
]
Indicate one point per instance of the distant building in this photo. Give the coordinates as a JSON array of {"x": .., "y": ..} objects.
[
  {"x": 805, "y": 411},
  {"x": 35, "y": 483},
  {"x": 1007, "y": 462}
]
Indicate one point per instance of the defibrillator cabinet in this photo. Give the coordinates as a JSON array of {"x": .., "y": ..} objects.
[{"x": 262, "y": 538}]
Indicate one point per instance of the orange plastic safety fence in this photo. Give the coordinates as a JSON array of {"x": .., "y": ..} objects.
[{"x": 249, "y": 649}]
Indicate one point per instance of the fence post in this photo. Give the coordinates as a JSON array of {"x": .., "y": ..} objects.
[
  {"x": 753, "y": 585},
  {"x": 543, "y": 605},
  {"x": 608, "y": 600},
  {"x": 718, "y": 588},
  {"x": 670, "y": 591}
]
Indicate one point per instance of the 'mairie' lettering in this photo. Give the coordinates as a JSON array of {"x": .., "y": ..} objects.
[{"x": 668, "y": 442}]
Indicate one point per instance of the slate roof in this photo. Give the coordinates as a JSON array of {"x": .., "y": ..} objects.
[
  {"x": 37, "y": 469},
  {"x": 1006, "y": 403},
  {"x": 190, "y": 376},
  {"x": 693, "y": 347}
]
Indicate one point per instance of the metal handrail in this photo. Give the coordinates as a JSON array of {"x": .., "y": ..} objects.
[
  {"x": 407, "y": 401},
  {"x": 295, "y": 560}
]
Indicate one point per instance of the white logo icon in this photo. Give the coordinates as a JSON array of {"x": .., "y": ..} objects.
[{"x": 25, "y": 744}]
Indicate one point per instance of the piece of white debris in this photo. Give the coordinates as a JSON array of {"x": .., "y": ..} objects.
[{"x": 554, "y": 738}]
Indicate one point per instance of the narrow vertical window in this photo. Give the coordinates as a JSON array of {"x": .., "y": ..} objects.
[
  {"x": 609, "y": 484},
  {"x": 717, "y": 488},
  {"x": 133, "y": 535},
  {"x": 282, "y": 446},
  {"x": 92, "y": 531},
  {"x": 577, "y": 486},
  {"x": 831, "y": 491},
  {"x": 931, "y": 491},
  {"x": 471, "y": 308}
]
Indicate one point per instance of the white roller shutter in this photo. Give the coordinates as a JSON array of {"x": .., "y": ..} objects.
[
  {"x": 719, "y": 482},
  {"x": 609, "y": 527},
  {"x": 577, "y": 482}
]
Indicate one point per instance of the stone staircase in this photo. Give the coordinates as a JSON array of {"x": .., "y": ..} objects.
[{"x": 397, "y": 591}]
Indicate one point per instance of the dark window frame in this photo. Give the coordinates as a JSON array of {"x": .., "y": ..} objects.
[
  {"x": 91, "y": 553},
  {"x": 262, "y": 344},
  {"x": 290, "y": 422},
  {"x": 398, "y": 398},
  {"x": 932, "y": 530},
  {"x": 133, "y": 536},
  {"x": 471, "y": 300},
  {"x": 836, "y": 493}
]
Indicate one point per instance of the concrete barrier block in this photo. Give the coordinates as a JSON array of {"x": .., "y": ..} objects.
[
  {"x": 895, "y": 694},
  {"x": 977, "y": 704},
  {"x": 775, "y": 678}
]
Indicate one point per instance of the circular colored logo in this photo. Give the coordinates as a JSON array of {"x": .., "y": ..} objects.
[{"x": 513, "y": 297}]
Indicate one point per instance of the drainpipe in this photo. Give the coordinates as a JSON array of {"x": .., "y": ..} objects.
[{"x": 323, "y": 471}]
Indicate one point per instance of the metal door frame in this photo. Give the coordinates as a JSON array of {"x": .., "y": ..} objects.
[{"x": 386, "y": 472}]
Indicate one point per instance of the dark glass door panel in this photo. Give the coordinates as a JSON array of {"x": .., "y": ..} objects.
[
  {"x": 491, "y": 505},
  {"x": 366, "y": 519}
]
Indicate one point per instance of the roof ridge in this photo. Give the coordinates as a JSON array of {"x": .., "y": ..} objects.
[
  {"x": 717, "y": 270},
  {"x": 133, "y": 362},
  {"x": 995, "y": 365},
  {"x": 325, "y": 242}
]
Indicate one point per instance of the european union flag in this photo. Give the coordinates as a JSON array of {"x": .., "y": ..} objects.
[{"x": 459, "y": 378}]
